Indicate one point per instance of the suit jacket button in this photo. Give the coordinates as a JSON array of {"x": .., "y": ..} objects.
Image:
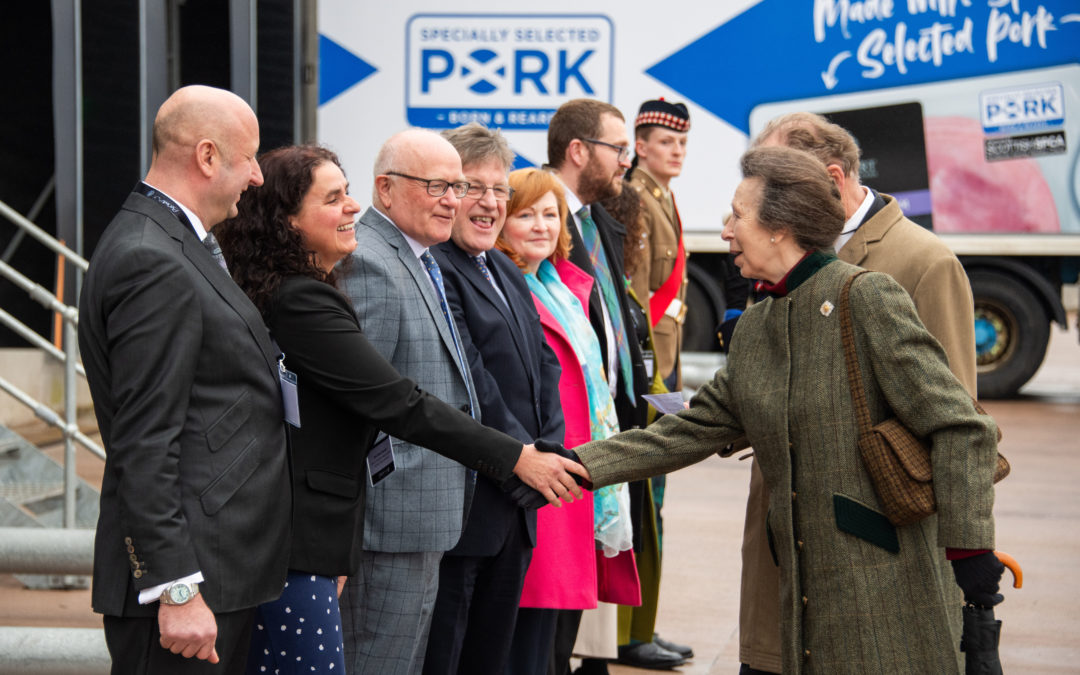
[
  {"x": 127, "y": 540},
  {"x": 133, "y": 558},
  {"x": 138, "y": 574},
  {"x": 130, "y": 548},
  {"x": 805, "y": 600},
  {"x": 800, "y": 543},
  {"x": 806, "y": 654},
  {"x": 793, "y": 493}
]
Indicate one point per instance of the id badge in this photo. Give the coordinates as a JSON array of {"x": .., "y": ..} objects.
[
  {"x": 290, "y": 400},
  {"x": 380, "y": 459},
  {"x": 650, "y": 362}
]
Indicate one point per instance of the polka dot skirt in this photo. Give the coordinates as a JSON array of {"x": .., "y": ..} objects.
[{"x": 300, "y": 632}]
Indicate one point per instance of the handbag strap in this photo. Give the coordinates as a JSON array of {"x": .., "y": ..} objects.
[{"x": 855, "y": 381}]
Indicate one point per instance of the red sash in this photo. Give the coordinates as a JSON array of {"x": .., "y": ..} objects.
[{"x": 661, "y": 299}]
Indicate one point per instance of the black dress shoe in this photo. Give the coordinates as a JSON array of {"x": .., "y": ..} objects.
[
  {"x": 684, "y": 651},
  {"x": 649, "y": 655}
]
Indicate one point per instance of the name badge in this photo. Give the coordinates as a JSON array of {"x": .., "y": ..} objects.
[
  {"x": 380, "y": 460},
  {"x": 650, "y": 362},
  {"x": 290, "y": 400}
]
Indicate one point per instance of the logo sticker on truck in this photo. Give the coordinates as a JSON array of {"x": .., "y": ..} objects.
[
  {"x": 503, "y": 70},
  {"x": 1022, "y": 109}
]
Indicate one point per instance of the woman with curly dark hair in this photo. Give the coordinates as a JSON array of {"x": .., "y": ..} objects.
[{"x": 281, "y": 249}]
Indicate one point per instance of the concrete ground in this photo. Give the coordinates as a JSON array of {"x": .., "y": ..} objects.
[{"x": 1037, "y": 510}]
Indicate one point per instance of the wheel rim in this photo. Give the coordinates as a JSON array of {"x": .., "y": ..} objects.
[{"x": 995, "y": 331}]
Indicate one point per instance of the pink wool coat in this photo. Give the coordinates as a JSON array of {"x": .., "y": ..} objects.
[{"x": 565, "y": 565}]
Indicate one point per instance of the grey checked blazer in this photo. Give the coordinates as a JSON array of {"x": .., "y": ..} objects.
[{"x": 421, "y": 506}]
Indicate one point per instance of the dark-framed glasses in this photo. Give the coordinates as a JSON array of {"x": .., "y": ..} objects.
[
  {"x": 435, "y": 186},
  {"x": 623, "y": 150},
  {"x": 502, "y": 193}
]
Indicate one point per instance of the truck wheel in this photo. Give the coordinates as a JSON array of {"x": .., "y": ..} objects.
[
  {"x": 704, "y": 307},
  {"x": 1011, "y": 333}
]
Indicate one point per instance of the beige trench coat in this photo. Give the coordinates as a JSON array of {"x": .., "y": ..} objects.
[
  {"x": 933, "y": 277},
  {"x": 848, "y": 604}
]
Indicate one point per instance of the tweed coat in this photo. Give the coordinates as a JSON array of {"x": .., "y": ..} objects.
[
  {"x": 661, "y": 231},
  {"x": 934, "y": 278},
  {"x": 422, "y": 505},
  {"x": 857, "y": 595}
]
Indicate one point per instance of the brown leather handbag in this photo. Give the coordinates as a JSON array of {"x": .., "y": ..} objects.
[{"x": 898, "y": 462}]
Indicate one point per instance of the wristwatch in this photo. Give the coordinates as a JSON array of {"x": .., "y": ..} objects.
[{"x": 179, "y": 594}]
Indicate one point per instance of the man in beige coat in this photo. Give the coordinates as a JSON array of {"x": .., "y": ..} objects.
[{"x": 877, "y": 237}]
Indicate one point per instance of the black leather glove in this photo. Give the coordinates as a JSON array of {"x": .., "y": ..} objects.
[
  {"x": 978, "y": 576},
  {"x": 558, "y": 449},
  {"x": 522, "y": 495}
]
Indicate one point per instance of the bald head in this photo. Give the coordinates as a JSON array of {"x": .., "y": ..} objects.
[
  {"x": 197, "y": 112},
  {"x": 205, "y": 140},
  {"x": 424, "y": 155}
]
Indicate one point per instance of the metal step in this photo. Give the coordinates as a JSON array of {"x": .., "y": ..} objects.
[{"x": 32, "y": 495}]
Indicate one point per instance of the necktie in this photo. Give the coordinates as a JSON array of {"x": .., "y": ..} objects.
[
  {"x": 591, "y": 237},
  {"x": 481, "y": 265},
  {"x": 435, "y": 273},
  {"x": 211, "y": 244}
]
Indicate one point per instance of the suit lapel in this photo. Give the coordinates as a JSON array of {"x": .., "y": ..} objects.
[
  {"x": 875, "y": 224},
  {"x": 423, "y": 281},
  {"x": 209, "y": 268}
]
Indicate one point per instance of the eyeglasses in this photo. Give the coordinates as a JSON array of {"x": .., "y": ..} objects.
[
  {"x": 436, "y": 187},
  {"x": 623, "y": 150},
  {"x": 502, "y": 193}
]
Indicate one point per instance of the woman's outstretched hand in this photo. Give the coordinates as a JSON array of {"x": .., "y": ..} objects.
[{"x": 551, "y": 473}]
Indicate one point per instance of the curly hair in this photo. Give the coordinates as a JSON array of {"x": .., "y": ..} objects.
[{"x": 260, "y": 245}]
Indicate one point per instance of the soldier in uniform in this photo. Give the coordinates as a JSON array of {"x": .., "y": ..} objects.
[{"x": 659, "y": 281}]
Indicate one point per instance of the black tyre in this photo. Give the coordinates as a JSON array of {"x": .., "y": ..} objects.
[
  {"x": 704, "y": 308},
  {"x": 1011, "y": 333}
]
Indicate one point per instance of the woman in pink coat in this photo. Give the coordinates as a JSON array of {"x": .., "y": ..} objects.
[{"x": 566, "y": 573}]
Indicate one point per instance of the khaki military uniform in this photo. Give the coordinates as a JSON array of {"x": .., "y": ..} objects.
[{"x": 660, "y": 239}]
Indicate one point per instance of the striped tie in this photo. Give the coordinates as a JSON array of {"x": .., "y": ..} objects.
[{"x": 598, "y": 257}]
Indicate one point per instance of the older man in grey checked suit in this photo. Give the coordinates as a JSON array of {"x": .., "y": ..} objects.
[{"x": 417, "y": 512}]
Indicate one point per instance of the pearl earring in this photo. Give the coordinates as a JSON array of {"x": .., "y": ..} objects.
[{"x": 772, "y": 239}]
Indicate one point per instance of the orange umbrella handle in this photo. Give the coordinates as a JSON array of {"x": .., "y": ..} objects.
[{"x": 1014, "y": 567}]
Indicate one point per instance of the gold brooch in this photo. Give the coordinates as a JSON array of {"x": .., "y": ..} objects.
[{"x": 826, "y": 308}]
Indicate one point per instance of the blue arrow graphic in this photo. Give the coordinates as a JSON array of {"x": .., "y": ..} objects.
[
  {"x": 339, "y": 69},
  {"x": 790, "y": 49}
]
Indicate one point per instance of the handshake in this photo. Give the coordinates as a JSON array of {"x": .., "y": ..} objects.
[{"x": 546, "y": 473}]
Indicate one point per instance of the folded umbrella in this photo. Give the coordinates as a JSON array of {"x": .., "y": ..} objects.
[{"x": 982, "y": 632}]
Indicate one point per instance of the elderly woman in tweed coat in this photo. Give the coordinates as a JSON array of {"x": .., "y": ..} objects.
[{"x": 857, "y": 594}]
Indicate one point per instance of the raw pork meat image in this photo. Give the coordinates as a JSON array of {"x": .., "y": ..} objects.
[{"x": 971, "y": 195}]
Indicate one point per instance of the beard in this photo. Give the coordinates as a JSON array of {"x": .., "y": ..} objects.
[{"x": 596, "y": 184}]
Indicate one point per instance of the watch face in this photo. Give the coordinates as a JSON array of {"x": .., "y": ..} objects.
[{"x": 180, "y": 593}]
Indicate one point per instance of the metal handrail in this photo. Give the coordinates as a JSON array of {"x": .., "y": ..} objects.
[
  {"x": 43, "y": 236},
  {"x": 28, "y": 334},
  {"x": 50, "y": 417},
  {"x": 68, "y": 424}
]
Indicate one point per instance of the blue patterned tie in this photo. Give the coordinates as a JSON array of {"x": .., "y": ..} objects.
[
  {"x": 598, "y": 257},
  {"x": 435, "y": 273}
]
